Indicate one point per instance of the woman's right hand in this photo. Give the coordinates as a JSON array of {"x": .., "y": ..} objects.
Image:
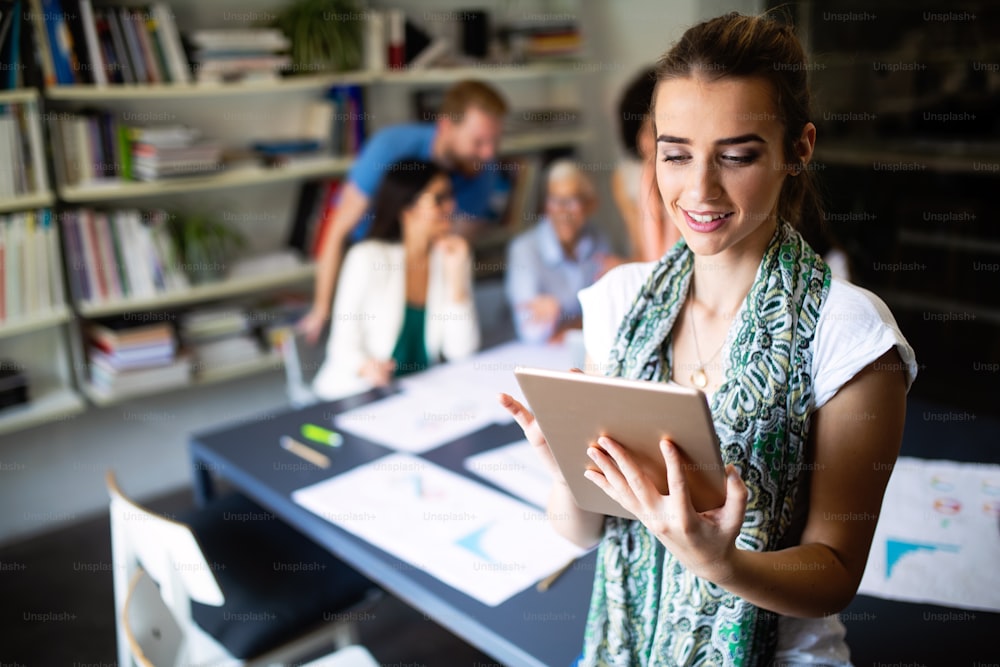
[
  {"x": 533, "y": 434},
  {"x": 379, "y": 373},
  {"x": 311, "y": 325}
]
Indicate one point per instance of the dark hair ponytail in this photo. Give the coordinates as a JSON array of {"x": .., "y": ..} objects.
[
  {"x": 401, "y": 184},
  {"x": 741, "y": 46}
]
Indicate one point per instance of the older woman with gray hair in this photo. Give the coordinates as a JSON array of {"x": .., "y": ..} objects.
[{"x": 548, "y": 264}]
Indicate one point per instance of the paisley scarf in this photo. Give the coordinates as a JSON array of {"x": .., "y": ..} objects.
[{"x": 646, "y": 608}]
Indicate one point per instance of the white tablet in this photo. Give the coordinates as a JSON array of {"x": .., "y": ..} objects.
[{"x": 573, "y": 410}]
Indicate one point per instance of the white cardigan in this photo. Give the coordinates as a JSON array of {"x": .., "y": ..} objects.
[{"x": 368, "y": 313}]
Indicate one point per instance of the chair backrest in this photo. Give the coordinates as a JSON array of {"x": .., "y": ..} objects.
[
  {"x": 302, "y": 361},
  {"x": 167, "y": 552},
  {"x": 154, "y": 637}
]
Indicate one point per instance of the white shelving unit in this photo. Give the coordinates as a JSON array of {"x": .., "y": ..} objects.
[
  {"x": 250, "y": 186},
  {"x": 216, "y": 291},
  {"x": 38, "y": 342},
  {"x": 234, "y": 178}
]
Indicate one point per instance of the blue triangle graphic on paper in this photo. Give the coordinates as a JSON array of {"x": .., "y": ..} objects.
[
  {"x": 896, "y": 549},
  {"x": 471, "y": 542}
]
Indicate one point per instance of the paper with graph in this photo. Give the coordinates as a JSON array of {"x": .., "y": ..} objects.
[
  {"x": 938, "y": 536},
  {"x": 515, "y": 468},
  {"x": 478, "y": 540},
  {"x": 449, "y": 401}
]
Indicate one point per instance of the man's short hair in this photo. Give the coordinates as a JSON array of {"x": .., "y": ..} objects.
[{"x": 465, "y": 94}]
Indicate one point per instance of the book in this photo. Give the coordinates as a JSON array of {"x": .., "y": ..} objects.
[
  {"x": 41, "y": 35},
  {"x": 97, "y": 65},
  {"x": 180, "y": 71}
]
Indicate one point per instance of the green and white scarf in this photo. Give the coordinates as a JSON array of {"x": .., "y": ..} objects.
[{"x": 647, "y": 609}]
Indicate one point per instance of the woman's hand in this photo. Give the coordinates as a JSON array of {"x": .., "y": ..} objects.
[
  {"x": 703, "y": 541},
  {"x": 455, "y": 259},
  {"x": 455, "y": 253},
  {"x": 379, "y": 373},
  {"x": 311, "y": 325},
  {"x": 532, "y": 433}
]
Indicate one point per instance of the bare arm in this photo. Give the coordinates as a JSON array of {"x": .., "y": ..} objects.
[
  {"x": 851, "y": 467},
  {"x": 351, "y": 206}
]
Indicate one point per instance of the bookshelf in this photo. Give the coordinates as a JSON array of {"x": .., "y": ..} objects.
[
  {"x": 247, "y": 187},
  {"x": 36, "y": 323}
]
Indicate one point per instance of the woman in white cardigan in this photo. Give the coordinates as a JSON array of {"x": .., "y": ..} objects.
[{"x": 404, "y": 296}]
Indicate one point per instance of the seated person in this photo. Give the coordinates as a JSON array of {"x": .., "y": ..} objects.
[
  {"x": 404, "y": 298},
  {"x": 548, "y": 264}
]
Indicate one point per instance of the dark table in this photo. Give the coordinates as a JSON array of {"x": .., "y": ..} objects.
[{"x": 531, "y": 628}]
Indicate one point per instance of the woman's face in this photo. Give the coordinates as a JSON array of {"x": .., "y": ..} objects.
[
  {"x": 430, "y": 215},
  {"x": 719, "y": 161}
]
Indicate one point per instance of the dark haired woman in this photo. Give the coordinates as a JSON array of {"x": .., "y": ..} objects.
[
  {"x": 404, "y": 296},
  {"x": 806, "y": 376}
]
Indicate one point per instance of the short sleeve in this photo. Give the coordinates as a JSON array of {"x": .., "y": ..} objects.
[
  {"x": 855, "y": 328},
  {"x": 394, "y": 143},
  {"x": 605, "y": 304}
]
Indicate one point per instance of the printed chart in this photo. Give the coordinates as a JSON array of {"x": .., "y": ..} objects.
[
  {"x": 449, "y": 401},
  {"x": 476, "y": 539},
  {"x": 938, "y": 537}
]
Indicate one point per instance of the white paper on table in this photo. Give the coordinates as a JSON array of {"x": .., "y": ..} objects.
[
  {"x": 475, "y": 539},
  {"x": 417, "y": 422},
  {"x": 487, "y": 374},
  {"x": 449, "y": 401},
  {"x": 938, "y": 536},
  {"x": 516, "y": 468}
]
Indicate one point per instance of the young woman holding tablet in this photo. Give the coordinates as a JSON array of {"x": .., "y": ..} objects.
[{"x": 806, "y": 377}]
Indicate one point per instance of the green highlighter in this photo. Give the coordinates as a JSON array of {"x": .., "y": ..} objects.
[{"x": 322, "y": 435}]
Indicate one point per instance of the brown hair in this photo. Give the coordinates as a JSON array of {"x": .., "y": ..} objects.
[
  {"x": 741, "y": 46},
  {"x": 465, "y": 94}
]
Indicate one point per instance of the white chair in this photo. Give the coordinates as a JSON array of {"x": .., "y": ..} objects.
[{"x": 166, "y": 587}]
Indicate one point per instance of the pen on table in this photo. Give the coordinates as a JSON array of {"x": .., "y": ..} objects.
[
  {"x": 304, "y": 452},
  {"x": 323, "y": 436},
  {"x": 547, "y": 582}
]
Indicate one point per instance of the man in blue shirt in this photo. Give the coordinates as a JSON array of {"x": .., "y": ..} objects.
[
  {"x": 464, "y": 140},
  {"x": 548, "y": 264}
]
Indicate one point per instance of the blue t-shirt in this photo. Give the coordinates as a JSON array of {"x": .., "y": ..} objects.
[{"x": 413, "y": 142}]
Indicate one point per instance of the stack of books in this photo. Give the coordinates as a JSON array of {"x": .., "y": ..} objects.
[
  {"x": 99, "y": 148},
  {"x": 218, "y": 338},
  {"x": 120, "y": 254},
  {"x": 548, "y": 38},
  {"x": 239, "y": 54},
  {"x": 22, "y": 166},
  {"x": 131, "y": 356},
  {"x": 108, "y": 44},
  {"x": 30, "y": 267},
  {"x": 171, "y": 150}
]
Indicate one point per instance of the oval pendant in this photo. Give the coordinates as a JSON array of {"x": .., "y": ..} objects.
[{"x": 699, "y": 379}]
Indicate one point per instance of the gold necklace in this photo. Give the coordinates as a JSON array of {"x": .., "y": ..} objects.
[{"x": 699, "y": 377}]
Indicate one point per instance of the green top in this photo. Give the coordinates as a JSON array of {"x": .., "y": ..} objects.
[{"x": 410, "y": 352}]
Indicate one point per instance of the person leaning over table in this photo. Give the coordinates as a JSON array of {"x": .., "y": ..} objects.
[
  {"x": 463, "y": 139},
  {"x": 548, "y": 264},
  {"x": 404, "y": 299},
  {"x": 789, "y": 357}
]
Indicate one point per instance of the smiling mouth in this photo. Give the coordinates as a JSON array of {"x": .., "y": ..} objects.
[{"x": 707, "y": 217}]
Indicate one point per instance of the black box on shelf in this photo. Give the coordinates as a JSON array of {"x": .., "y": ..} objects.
[{"x": 13, "y": 385}]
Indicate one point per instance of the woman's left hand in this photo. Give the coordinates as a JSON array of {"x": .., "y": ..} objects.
[
  {"x": 703, "y": 541},
  {"x": 455, "y": 252}
]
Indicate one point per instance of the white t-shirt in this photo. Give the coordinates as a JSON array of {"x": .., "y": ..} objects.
[{"x": 854, "y": 329}]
